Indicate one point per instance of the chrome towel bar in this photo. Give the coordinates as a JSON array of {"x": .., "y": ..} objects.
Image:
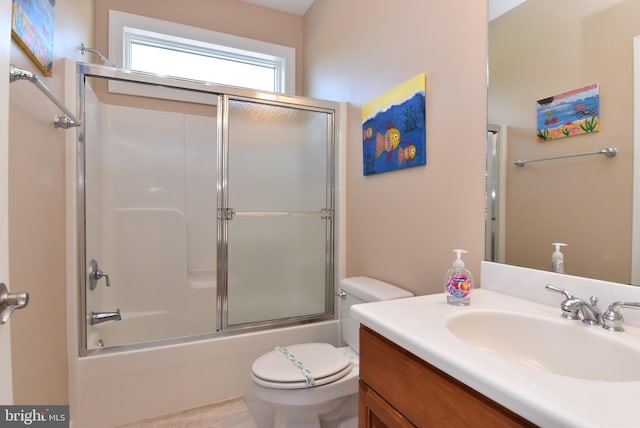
[
  {"x": 68, "y": 120},
  {"x": 608, "y": 152}
]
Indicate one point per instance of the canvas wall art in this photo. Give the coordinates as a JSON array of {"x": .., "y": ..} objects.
[
  {"x": 32, "y": 26},
  {"x": 571, "y": 113},
  {"x": 394, "y": 128}
]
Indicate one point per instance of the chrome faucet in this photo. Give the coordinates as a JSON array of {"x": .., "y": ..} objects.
[
  {"x": 575, "y": 308},
  {"x": 100, "y": 317},
  {"x": 591, "y": 314}
]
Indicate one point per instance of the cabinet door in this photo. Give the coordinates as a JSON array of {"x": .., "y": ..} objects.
[
  {"x": 423, "y": 394},
  {"x": 375, "y": 412}
]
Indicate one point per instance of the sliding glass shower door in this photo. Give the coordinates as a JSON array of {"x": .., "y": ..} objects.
[
  {"x": 201, "y": 209},
  {"x": 276, "y": 212}
]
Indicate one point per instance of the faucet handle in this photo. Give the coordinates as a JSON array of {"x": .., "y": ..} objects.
[
  {"x": 559, "y": 290},
  {"x": 612, "y": 318},
  {"x": 100, "y": 274},
  {"x": 570, "y": 312},
  {"x": 95, "y": 274}
]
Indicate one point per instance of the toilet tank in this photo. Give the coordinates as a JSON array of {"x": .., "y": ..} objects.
[{"x": 363, "y": 289}]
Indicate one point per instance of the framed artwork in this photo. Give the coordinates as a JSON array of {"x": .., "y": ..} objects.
[
  {"x": 32, "y": 26},
  {"x": 394, "y": 128},
  {"x": 570, "y": 113}
]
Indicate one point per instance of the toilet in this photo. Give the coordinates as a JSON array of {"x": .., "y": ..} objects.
[{"x": 309, "y": 382}]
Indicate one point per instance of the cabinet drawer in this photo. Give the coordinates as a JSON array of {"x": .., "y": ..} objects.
[
  {"x": 425, "y": 395},
  {"x": 376, "y": 412}
]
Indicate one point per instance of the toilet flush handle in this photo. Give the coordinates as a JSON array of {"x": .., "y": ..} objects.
[{"x": 341, "y": 294}]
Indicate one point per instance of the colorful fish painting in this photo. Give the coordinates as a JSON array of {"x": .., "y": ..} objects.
[{"x": 397, "y": 119}]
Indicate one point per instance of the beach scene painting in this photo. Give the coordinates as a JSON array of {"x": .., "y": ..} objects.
[
  {"x": 571, "y": 113},
  {"x": 394, "y": 128}
]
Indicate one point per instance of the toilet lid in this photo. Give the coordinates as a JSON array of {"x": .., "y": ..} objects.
[{"x": 300, "y": 366}]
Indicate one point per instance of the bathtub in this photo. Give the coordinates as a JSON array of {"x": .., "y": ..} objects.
[{"x": 109, "y": 389}]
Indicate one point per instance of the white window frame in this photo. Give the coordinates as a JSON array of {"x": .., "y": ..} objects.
[{"x": 125, "y": 28}]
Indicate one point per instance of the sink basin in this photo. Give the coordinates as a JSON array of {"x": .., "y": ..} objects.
[{"x": 562, "y": 347}]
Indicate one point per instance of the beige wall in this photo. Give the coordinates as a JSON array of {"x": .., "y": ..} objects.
[
  {"x": 37, "y": 173},
  {"x": 225, "y": 16},
  {"x": 402, "y": 225},
  {"x": 37, "y": 216},
  {"x": 585, "y": 202}
]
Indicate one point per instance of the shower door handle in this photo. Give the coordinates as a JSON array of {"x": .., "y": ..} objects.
[
  {"x": 324, "y": 213},
  {"x": 10, "y": 302}
]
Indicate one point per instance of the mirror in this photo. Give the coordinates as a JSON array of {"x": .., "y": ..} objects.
[{"x": 539, "y": 49}]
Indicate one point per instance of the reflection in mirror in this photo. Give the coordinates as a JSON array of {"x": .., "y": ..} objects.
[
  {"x": 543, "y": 48},
  {"x": 495, "y": 188}
]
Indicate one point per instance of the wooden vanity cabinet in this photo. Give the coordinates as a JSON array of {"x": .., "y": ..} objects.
[{"x": 398, "y": 389}]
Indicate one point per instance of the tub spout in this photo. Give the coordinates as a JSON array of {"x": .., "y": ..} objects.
[{"x": 100, "y": 317}]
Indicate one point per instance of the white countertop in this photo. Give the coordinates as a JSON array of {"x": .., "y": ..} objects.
[{"x": 418, "y": 324}]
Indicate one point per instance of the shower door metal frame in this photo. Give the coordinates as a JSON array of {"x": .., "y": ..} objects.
[{"x": 223, "y": 94}]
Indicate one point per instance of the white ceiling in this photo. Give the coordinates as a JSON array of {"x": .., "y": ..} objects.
[
  {"x": 299, "y": 7},
  {"x": 499, "y": 7}
]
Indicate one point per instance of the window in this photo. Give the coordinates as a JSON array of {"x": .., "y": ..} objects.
[{"x": 162, "y": 47}]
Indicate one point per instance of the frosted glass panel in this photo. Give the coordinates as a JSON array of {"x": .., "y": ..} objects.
[
  {"x": 277, "y": 166},
  {"x": 278, "y": 158},
  {"x": 276, "y": 268},
  {"x": 150, "y": 178}
]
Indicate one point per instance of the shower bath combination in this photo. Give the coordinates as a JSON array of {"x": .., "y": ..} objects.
[{"x": 203, "y": 210}]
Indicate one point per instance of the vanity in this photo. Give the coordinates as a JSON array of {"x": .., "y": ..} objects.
[
  {"x": 508, "y": 359},
  {"x": 395, "y": 382}
]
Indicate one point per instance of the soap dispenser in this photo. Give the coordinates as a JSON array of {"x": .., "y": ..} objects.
[
  {"x": 557, "y": 258},
  {"x": 458, "y": 282}
]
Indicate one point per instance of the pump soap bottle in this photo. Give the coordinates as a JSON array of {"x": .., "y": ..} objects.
[
  {"x": 458, "y": 282},
  {"x": 557, "y": 258}
]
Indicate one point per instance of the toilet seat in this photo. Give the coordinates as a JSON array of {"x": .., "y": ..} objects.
[{"x": 300, "y": 366}]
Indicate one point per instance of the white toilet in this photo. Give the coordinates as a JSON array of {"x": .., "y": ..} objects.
[{"x": 312, "y": 381}]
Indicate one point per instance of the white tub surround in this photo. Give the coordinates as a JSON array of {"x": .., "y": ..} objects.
[{"x": 420, "y": 325}]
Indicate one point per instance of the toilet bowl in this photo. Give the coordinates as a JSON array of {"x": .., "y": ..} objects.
[{"x": 312, "y": 382}]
